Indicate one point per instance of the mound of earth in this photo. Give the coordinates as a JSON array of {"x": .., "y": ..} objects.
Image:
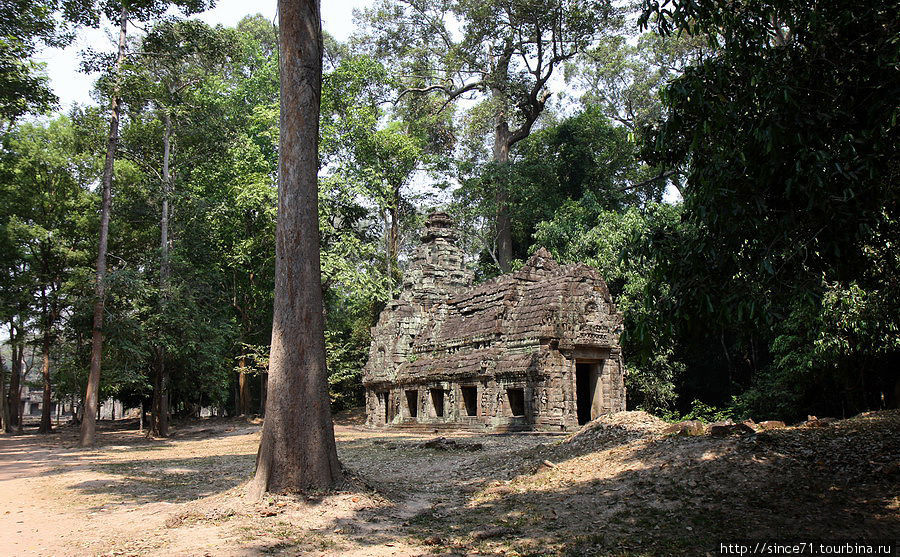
[
  {"x": 617, "y": 427},
  {"x": 619, "y": 486}
]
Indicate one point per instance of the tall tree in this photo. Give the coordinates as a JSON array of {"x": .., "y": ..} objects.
[
  {"x": 176, "y": 57},
  {"x": 120, "y": 12},
  {"x": 507, "y": 52},
  {"x": 297, "y": 450},
  {"x": 48, "y": 183},
  {"x": 92, "y": 394}
]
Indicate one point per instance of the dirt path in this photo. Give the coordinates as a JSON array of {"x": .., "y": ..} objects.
[
  {"x": 622, "y": 488},
  {"x": 185, "y": 495}
]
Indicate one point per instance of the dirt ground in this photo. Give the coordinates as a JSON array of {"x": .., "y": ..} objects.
[{"x": 620, "y": 487}]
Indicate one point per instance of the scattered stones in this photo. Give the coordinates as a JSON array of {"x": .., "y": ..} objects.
[
  {"x": 544, "y": 466},
  {"x": 491, "y": 533},
  {"x": 444, "y": 444},
  {"x": 721, "y": 429},
  {"x": 687, "y": 427},
  {"x": 175, "y": 520},
  {"x": 812, "y": 421}
]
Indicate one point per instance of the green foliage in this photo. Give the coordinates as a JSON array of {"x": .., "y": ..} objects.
[
  {"x": 623, "y": 78},
  {"x": 581, "y": 163},
  {"x": 46, "y": 214},
  {"x": 612, "y": 241},
  {"x": 26, "y": 25},
  {"x": 702, "y": 412},
  {"x": 651, "y": 385},
  {"x": 789, "y": 137}
]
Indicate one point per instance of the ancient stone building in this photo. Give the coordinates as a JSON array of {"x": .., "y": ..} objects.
[{"x": 534, "y": 349}]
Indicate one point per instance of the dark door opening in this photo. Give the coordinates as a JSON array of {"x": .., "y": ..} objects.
[
  {"x": 585, "y": 391},
  {"x": 437, "y": 402},
  {"x": 384, "y": 403},
  {"x": 412, "y": 403},
  {"x": 470, "y": 400},
  {"x": 516, "y": 401}
]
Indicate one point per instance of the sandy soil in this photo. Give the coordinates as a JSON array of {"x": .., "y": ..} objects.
[{"x": 621, "y": 487}]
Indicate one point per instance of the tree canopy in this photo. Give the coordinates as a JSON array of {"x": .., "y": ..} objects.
[{"x": 729, "y": 167}]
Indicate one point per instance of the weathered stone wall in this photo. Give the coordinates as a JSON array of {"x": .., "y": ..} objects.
[{"x": 510, "y": 344}]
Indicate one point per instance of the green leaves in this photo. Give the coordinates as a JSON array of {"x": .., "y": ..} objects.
[{"x": 788, "y": 137}]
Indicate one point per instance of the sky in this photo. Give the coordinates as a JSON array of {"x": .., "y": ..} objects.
[{"x": 71, "y": 86}]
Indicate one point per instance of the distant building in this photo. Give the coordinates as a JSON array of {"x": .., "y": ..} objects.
[{"x": 535, "y": 349}]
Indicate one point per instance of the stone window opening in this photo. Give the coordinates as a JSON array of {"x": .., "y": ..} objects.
[
  {"x": 412, "y": 403},
  {"x": 516, "y": 399},
  {"x": 437, "y": 402},
  {"x": 470, "y": 399}
]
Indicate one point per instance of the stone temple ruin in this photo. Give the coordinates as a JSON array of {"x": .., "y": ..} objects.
[{"x": 537, "y": 349}]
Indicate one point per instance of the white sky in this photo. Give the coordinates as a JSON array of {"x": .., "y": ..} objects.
[{"x": 71, "y": 86}]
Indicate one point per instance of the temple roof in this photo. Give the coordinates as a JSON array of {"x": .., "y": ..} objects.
[{"x": 443, "y": 327}]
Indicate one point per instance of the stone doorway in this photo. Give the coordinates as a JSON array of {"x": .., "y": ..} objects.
[{"x": 587, "y": 390}]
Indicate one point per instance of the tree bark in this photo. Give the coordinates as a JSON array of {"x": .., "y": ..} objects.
[
  {"x": 243, "y": 389},
  {"x": 502, "y": 143},
  {"x": 503, "y": 224},
  {"x": 388, "y": 258},
  {"x": 46, "y": 419},
  {"x": 297, "y": 450},
  {"x": 394, "y": 238},
  {"x": 159, "y": 409},
  {"x": 159, "y": 424},
  {"x": 13, "y": 397},
  {"x": 92, "y": 395},
  {"x": 263, "y": 385},
  {"x": 4, "y": 400}
]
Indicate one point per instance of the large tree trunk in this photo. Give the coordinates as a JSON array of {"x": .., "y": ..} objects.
[
  {"x": 504, "y": 227},
  {"x": 159, "y": 408},
  {"x": 502, "y": 139},
  {"x": 388, "y": 258},
  {"x": 92, "y": 396},
  {"x": 297, "y": 450},
  {"x": 159, "y": 425}
]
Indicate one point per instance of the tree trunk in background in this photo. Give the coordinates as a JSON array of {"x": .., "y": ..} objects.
[
  {"x": 14, "y": 397},
  {"x": 388, "y": 265},
  {"x": 394, "y": 238},
  {"x": 92, "y": 396},
  {"x": 504, "y": 227},
  {"x": 297, "y": 450},
  {"x": 243, "y": 389},
  {"x": 4, "y": 399},
  {"x": 502, "y": 137},
  {"x": 46, "y": 418},
  {"x": 159, "y": 408},
  {"x": 159, "y": 424}
]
